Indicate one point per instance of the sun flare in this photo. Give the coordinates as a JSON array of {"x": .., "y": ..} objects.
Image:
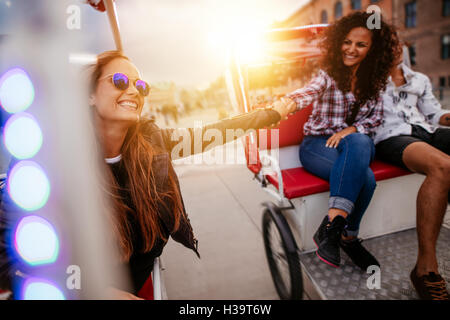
[{"x": 242, "y": 38}]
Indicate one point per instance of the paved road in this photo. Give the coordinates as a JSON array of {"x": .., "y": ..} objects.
[
  {"x": 224, "y": 207},
  {"x": 223, "y": 203}
]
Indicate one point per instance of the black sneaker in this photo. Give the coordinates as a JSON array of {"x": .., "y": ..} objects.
[
  {"x": 358, "y": 254},
  {"x": 430, "y": 287},
  {"x": 327, "y": 240}
]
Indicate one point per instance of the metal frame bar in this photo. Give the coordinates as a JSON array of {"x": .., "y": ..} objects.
[
  {"x": 283, "y": 202},
  {"x": 157, "y": 288},
  {"x": 111, "y": 11}
]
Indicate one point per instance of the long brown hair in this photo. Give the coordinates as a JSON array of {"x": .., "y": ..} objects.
[
  {"x": 137, "y": 156},
  {"x": 373, "y": 73}
]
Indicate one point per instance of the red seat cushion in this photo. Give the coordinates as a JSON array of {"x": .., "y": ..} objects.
[
  {"x": 298, "y": 182},
  {"x": 146, "y": 292}
]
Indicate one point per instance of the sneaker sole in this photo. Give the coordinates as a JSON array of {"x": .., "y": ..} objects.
[{"x": 322, "y": 258}]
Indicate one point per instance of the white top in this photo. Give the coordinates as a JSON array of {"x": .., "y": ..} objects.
[
  {"x": 113, "y": 160},
  {"x": 410, "y": 104}
]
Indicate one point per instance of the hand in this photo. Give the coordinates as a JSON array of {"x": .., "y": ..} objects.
[
  {"x": 445, "y": 119},
  {"x": 284, "y": 106},
  {"x": 116, "y": 294},
  {"x": 334, "y": 140},
  {"x": 97, "y": 4}
]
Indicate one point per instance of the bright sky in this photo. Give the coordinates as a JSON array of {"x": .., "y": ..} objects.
[{"x": 185, "y": 40}]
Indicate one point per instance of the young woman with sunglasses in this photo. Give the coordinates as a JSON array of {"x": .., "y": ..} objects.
[
  {"x": 347, "y": 108},
  {"x": 142, "y": 183}
]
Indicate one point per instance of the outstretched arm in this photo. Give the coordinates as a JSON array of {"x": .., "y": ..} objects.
[
  {"x": 196, "y": 140},
  {"x": 303, "y": 97},
  {"x": 186, "y": 142}
]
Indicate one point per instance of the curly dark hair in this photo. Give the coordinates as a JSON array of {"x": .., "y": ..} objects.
[{"x": 373, "y": 71}]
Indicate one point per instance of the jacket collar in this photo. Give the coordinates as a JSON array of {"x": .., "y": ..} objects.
[{"x": 407, "y": 73}]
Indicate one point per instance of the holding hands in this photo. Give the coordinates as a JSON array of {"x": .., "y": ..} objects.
[{"x": 284, "y": 106}]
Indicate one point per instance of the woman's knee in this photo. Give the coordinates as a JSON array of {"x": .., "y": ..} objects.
[
  {"x": 316, "y": 164},
  {"x": 439, "y": 170},
  {"x": 359, "y": 140},
  {"x": 314, "y": 156},
  {"x": 359, "y": 144}
]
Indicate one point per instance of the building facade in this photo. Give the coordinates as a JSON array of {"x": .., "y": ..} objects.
[
  {"x": 423, "y": 24},
  {"x": 327, "y": 11}
]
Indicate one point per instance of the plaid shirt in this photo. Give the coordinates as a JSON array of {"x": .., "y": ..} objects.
[{"x": 331, "y": 107}]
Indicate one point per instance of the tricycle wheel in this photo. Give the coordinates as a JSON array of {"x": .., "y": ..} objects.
[{"x": 282, "y": 256}]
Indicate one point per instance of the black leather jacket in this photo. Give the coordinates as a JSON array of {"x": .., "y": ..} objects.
[
  {"x": 166, "y": 142},
  {"x": 168, "y": 139}
]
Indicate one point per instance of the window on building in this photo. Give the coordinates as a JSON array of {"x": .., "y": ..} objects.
[
  {"x": 338, "y": 10},
  {"x": 410, "y": 14},
  {"x": 356, "y": 4},
  {"x": 442, "y": 82},
  {"x": 446, "y": 8},
  {"x": 374, "y": 1},
  {"x": 324, "y": 17},
  {"x": 412, "y": 54},
  {"x": 445, "y": 46}
]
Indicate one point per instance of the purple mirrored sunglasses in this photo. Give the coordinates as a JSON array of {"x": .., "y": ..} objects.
[{"x": 122, "y": 82}]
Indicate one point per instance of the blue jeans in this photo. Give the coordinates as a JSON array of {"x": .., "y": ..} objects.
[{"x": 352, "y": 182}]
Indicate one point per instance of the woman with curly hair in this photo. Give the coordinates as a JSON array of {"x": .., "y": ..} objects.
[{"x": 347, "y": 108}]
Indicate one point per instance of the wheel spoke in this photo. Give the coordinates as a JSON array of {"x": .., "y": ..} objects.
[
  {"x": 281, "y": 263},
  {"x": 279, "y": 256}
]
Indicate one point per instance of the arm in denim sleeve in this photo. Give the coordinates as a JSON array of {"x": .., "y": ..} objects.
[
  {"x": 303, "y": 97},
  {"x": 186, "y": 142},
  {"x": 429, "y": 105},
  {"x": 369, "y": 123}
]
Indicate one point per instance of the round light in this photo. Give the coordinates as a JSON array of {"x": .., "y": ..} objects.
[
  {"x": 22, "y": 136},
  {"x": 36, "y": 241},
  {"x": 41, "y": 289},
  {"x": 16, "y": 90},
  {"x": 28, "y": 185}
]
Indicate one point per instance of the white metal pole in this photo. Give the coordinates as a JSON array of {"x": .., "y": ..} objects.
[
  {"x": 157, "y": 281},
  {"x": 114, "y": 22}
]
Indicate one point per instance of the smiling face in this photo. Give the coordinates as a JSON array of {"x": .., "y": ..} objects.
[
  {"x": 355, "y": 47},
  {"x": 112, "y": 104}
]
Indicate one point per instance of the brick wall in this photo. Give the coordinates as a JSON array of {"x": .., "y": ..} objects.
[{"x": 431, "y": 25}]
